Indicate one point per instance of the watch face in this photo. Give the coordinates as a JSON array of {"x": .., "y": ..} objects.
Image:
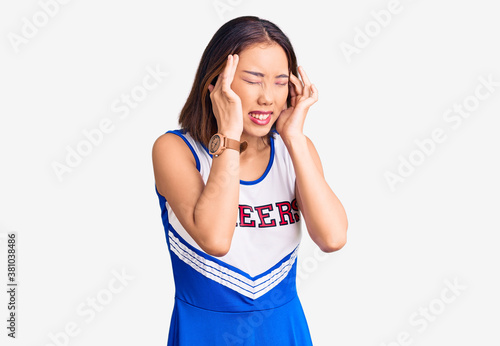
[{"x": 214, "y": 143}]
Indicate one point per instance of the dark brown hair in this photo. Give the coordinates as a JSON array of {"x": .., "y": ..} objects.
[{"x": 233, "y": 37}]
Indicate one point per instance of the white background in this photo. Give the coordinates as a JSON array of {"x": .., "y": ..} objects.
[{"x": 439, "y": 224}]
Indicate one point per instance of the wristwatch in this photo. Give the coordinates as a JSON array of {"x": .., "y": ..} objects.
[{"x": 218, "y": 143}]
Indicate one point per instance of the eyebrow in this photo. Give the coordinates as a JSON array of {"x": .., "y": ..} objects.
[{"x": 258, "y": 74}]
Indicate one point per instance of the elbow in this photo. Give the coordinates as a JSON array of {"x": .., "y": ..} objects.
[
  {"x": 335, "y": 241},
  {"x": 215, "y": 244},
  {"x": 216, "y": 252},
  {"x": 333, "y": 245},
  {"x": 216, "y": 247},
  {"x": 328, "y": 248}
]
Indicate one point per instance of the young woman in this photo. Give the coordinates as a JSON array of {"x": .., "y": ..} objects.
[{"x": 234, "y": 183}]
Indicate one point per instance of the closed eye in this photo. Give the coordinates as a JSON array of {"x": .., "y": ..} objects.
[{"x": 280, "y": 84}]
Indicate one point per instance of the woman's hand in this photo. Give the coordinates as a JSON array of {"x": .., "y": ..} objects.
[
  {"x": 226, "y": 104},
  {"x": 290, "y": 123}
]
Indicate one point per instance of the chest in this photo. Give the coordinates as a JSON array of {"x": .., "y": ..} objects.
[{"x": 251, "y": 170}]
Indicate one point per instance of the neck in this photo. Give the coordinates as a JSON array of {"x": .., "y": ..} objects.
[{"x": 256, "y": 145}]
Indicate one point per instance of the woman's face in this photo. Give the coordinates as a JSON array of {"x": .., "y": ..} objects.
[{"x": 261, "y": 82}]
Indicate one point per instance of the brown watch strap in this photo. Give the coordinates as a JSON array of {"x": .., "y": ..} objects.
[{"x": 235, "y": 145}]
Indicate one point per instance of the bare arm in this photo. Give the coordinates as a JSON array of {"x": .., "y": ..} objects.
[
  {"x": 325, "y": 216},
  {"x": 207, "y": 212},
  {"x": 323, "y": 213}
]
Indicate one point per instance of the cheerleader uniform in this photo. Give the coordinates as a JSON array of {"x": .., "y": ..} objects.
[{"x": 248, "y": 296}]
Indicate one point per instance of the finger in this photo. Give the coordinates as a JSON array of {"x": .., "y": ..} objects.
[
  {"x": 217, "y": 83},
  {"x": 293, "y": 94},
  {"x": 221, "y": 76},
  {"x": 300, "y": 90},
  {"x": 231, "y": 73},
  {"x": 291, "y": 89},
  {"x": 307, "y": 83},
  {"x": 228, "y": 74},
  {"x": 297, "y": 85},
  {"x": 303, "y": 75},
  {"x": 235, "y": 61},
  {"x": 307, "y": 91},
  {"x": 314, "y": 93},
  {"x": 311, "y": 99}
]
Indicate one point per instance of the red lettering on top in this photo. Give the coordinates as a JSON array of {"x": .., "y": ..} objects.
[
  {"x": 295, "y": 207},
  {"x": 285, "y": 210},
  {"x": 263, "y": 215},
  {"x": 244, "y": 215}
]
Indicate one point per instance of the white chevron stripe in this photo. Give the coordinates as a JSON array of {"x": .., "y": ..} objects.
[
  {"x": 227, "y": 277},
  {"x": 211, "y": 266}
]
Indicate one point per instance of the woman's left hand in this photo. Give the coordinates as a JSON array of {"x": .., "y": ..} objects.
[{"x": 290, "y": 123}]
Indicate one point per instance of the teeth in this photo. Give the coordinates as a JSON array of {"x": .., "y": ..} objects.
[{"x": 260, "y": 116}]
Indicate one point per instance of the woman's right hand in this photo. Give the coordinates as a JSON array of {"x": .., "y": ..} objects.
[{"x": 226, "y": 104}]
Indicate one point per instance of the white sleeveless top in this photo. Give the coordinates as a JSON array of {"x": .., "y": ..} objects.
[{"x": 268, "y": 227}]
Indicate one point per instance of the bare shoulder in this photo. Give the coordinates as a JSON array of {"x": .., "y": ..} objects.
[
  {"x": 167, "y": 149},
  {"x": 170, "y": 145},
  {"x": 167, "y": 139}
]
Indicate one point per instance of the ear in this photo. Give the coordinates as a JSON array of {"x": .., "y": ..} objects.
[{"x": 210, "y": 88}]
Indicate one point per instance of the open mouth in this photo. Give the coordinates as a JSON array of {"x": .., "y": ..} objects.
[{"x": 260, "y": 116}]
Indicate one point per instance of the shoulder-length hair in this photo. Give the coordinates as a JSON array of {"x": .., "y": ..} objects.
[{"x": 233, "y": 37}]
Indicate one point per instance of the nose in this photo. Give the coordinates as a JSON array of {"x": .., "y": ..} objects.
[{"x": 265, "y": 96}]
